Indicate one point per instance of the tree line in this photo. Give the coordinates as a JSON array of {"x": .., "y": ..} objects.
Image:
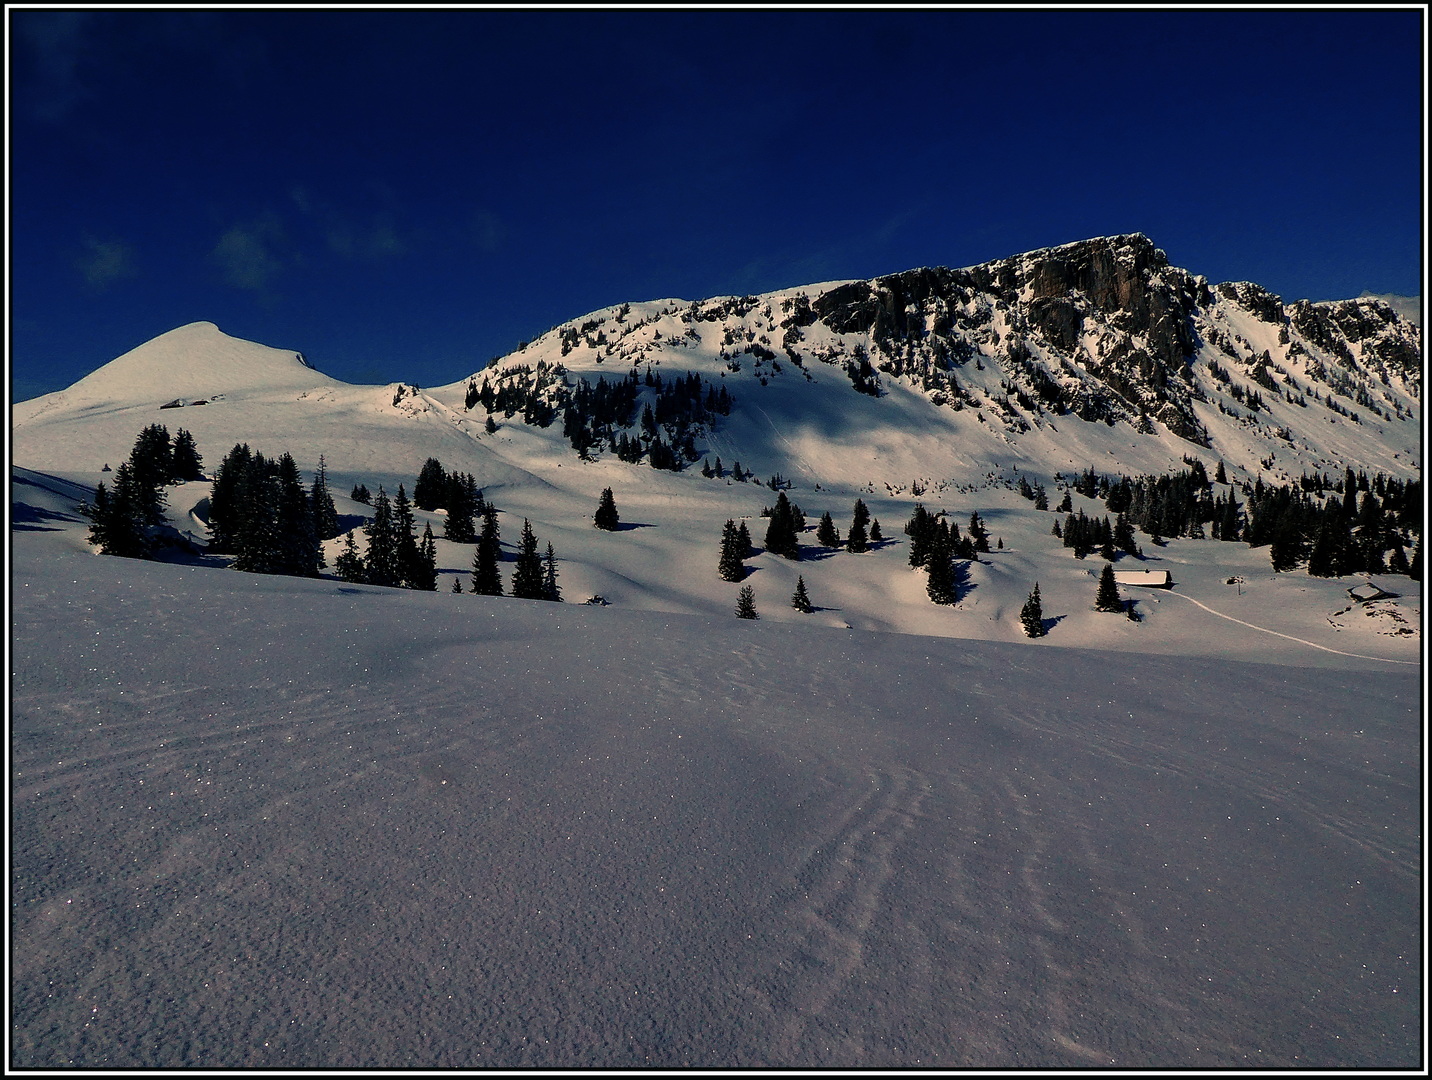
[{"x": 127, "y": 517}]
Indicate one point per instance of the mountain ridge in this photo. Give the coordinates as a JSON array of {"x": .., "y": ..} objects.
[{"x": 1060, "y": 357}]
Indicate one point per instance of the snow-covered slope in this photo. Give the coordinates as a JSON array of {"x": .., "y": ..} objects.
[
  {"x": 789, "y": 362},
  {"x": 271, "y": 823},
  {"x": 277, "y": 823}
]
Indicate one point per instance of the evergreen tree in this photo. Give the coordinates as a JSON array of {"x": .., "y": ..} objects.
[
  {"x": 115, "y": 528},
  {"x": 185, "y": 462},
  {"x": 732, "y": 566},
  {"x": 1286, "y": 548},
  {"x": 1107, "y": 598},
  {"x": 486, "y": 577},
  {"x": 325, "y": 516},
  {"x": 781, "y": 533},
  {"x": 920, "y": 529},
  {"x": 606, "y": 517},
  {"x": 349, "y": 564},
  {"x": 799, "y": 600},
  {"x": 382, "y": 559},
  {"x": 746, "y": 604},
  {"x": 152, "y": 461},
  {"x": 825, "y": 533},
  {"x": 426, "y": 568},
  {"x": 431, "y": 489},
  {"x": 979, "y": 535},
  {"x": 940, "y": 571},
  {"x": 550, "y": 589},
  {"x": 460, "y": 501},
  {"x": 527, "y": 576},
  {"x": 300, "y": 552},
  {"x": 858, "y": 539},
  {"x": 743, "y": 535},
  {"x": 258, "y": 549},
  {"x": 360, "y": 494},
  {"x": 876, "y": 536},
  {"x": 1031, "y": 616},
  {"x": 457, "y": 584},
  {"x": 411, "y": 573},
  {"x": 227, "y": 500}
]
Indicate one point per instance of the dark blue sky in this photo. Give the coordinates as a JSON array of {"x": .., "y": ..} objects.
[{"x": 404, "y": 194}]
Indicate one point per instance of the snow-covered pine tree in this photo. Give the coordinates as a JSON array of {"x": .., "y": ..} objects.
[
  {"x": 799, "y": 599},
  {"x": 858, "y": 539},
  {"x": 746, "y": 604},
  {"x": 732, "y": 565},
  {"x": 940, "y": 568},
  {"x": 606, "y": 517},
  {"x": 781, "y": 535},
  {"x": 550, "y": 589},
  {"x": 1107, "y": 598},
  {"x": 1031, "y": 616},
  {"x": 527, "y": 577},
  {"x": 349, "y": 564},
  {"x": 826, "y": 533},
  {"x": 185, "y": 462},
  {"x": 320, "y": 501},
  {"x": 381, "y": 559}
]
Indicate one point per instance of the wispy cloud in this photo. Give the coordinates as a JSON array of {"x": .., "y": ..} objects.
[
  {"x": 366, "y": 236},
  {"x": 251, "y": 255},
  {"x": 105, "y": 262}
]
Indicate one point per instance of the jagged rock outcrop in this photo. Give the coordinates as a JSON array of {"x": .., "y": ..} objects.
[{"x": 1105, "y": 331}]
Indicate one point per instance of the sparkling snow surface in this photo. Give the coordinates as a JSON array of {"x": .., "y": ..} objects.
[{"x": 274, "y": 823}]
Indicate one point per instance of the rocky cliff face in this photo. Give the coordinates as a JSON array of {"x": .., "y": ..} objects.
[
  {"x": 1101, "y": 332},
  {"x": 1107, "y": 330}
]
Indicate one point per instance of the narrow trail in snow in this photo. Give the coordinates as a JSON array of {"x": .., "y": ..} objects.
[
  {"x": 780, "y": 435},
  {"x": 1300, "y": 641}
]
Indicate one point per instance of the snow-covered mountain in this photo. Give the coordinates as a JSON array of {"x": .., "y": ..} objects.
[
  {"x": 1067, "y": 356},
  {"x": 934, "y": 385},
  {"x": 1097, "y": 353},
  {"x": 276, "y": 822}
]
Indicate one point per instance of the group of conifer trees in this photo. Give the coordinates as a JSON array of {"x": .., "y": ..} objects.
[
  {"x": 1085, "y": 535},
  {"x": 1355, "y": 524},
  {"x": 936, "y": 543},
  {"x": 604, "y": 414},
  {"x": 457, "y": 494},
  {"x": 260, "y": 512},
  {"x": 534, "y": 576},
  {"x": 126, "y": 518},
  {"x": 1106, "y": 598},
  {"x": 394, "y": 556}
]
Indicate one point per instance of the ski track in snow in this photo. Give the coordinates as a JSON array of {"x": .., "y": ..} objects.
[{"x": 1290, "y": 637}]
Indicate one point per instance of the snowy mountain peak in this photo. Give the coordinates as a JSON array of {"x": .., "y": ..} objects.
[{"x": 196, "y": 361}]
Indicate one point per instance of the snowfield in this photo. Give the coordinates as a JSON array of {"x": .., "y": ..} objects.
[{"x": 277, "y": 823}]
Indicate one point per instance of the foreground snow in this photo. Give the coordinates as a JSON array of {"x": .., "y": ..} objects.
[{"x": 275, "y": 823}]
